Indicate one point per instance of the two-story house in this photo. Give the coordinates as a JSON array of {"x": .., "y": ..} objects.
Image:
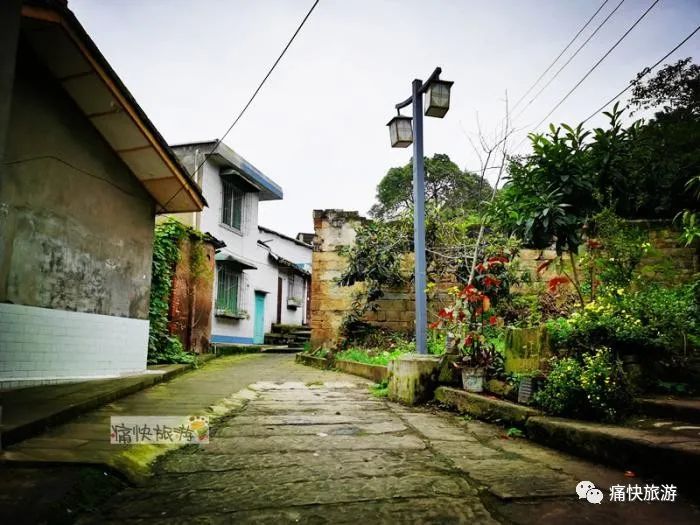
[{"x": 257, "y": 282}]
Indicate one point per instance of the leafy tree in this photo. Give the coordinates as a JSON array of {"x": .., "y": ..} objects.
[
  {"x": 675, "y": 90},
  {"x": 446, "y": 186},
  {"x": 548, "y": 195}
]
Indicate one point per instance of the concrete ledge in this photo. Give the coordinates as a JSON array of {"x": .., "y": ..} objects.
[
  {"x": 413, "y": 378},
  {"x": 627, "y": 448},
  {"x": 376, "y": 373},
  {"x": 643, "y": 451},
  {"x": 30, "y": 411},
  {"x": 487, "y": 408},
  {"x": 310, "y": 360}
]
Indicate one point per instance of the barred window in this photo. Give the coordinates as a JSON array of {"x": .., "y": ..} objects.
[
  {"x": 227, "y": 290},
  {"x": 232, "y": 205},
  {"x": 295, "y": 287}
]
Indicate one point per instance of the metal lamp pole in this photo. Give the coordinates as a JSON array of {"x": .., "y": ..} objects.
[{"x": 419, "y": 208}]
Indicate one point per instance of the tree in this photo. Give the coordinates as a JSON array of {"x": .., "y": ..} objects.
[
  {"x": 675, "y": 90},
  {"x": 446, "y": 187}
]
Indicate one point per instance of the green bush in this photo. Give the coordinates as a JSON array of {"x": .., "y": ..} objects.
[
  {"x": 594, "y": 387},
  {"x": 655, "y": 318}
]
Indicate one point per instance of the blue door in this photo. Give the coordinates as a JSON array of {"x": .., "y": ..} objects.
[{"x": 259, "y": 334}]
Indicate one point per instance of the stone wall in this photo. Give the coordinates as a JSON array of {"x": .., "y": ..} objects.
[{"x": 334, "y": 229}]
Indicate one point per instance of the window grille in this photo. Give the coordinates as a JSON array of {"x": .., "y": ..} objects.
[
  {"x": 228, "y": 288},
  {"x": 295, "y": 288},
  {"x": 232, "y": 200}
]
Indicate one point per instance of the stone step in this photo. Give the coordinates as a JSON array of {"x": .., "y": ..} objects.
[{"x": 678, "y": 408}]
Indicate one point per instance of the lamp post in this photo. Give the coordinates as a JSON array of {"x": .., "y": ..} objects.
[{"x": 402, "y": 134}]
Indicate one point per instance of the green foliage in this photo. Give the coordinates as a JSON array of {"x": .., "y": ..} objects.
[
  {"x": 436, "y": 343},
  {"x": 514, "y": 432},
  {"x": 380, "y": 390},
  {"x": 617, "y": 250},
  {"x": 651, "y": 319},
  {"x": 162, "y": 346},
  {"x": 548, "y": 195},
  {"x": 446, "y": 186},
  {"x": 593, "y": 387},
  {"x": 371, "y": 356}
]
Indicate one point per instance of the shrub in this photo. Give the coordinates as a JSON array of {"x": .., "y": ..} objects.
[
  {"x": 594, "y": 387},
  {"x": 655, "y": 318}
]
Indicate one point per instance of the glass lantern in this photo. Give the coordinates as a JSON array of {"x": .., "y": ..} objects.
[
  {"x": 437, "y": 98},
  {"x": 401, "y": 131}
]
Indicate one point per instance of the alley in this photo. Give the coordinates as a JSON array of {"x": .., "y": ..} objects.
[{"x": 315, "y": 446}]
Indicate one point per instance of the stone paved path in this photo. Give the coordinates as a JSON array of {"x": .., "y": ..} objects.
[{"x": 316, "y": 447}]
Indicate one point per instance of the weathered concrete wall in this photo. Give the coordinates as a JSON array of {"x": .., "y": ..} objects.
[
  {"x": 76, "y": 235},
  {"x": 192, "y": 296},
  {"x": 76, "y": 227}
]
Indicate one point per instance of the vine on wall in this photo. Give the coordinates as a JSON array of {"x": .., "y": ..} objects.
[{"x": 163, "y": 347}]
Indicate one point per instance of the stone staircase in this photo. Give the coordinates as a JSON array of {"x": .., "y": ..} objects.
[{"x": 294, "y": 336}]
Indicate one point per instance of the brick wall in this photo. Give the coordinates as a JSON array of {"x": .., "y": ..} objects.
[
  {"x": 191, "y": 298},
  {"x": 42, "y": 345}
]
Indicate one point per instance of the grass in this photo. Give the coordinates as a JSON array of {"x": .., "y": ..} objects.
[
  {"x": 380, "y": 389},
  {"x": 371, "y": 356}
]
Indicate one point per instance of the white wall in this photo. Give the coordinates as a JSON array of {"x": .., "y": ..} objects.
[
  {"x": 290, "y": 250},
  {"x": 42, "y": 345}
]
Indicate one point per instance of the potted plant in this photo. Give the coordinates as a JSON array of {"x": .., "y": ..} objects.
[{"x": 477, "y": 355}]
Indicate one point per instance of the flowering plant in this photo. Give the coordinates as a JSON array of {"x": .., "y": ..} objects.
[{"x": 465, "y": 320}]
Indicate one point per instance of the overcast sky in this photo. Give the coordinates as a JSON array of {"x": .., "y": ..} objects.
[{"x": 318, "y": 126}]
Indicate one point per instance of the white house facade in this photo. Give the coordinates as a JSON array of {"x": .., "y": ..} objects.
[{"x": 252, "y": 279}]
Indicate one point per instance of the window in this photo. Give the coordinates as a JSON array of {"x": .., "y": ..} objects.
[
  {"x": 295, "y": 290},
  {"x": 232, "y": 205},
  {"x": 228, "y": 286}
]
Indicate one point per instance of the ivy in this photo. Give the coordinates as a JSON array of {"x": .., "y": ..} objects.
[{"x": 163, "y": 347}]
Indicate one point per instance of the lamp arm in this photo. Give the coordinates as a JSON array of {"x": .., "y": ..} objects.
[{"x": 434, "y": 76}]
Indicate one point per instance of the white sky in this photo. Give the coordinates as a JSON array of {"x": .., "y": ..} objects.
[{"x": 318, "y": 126}]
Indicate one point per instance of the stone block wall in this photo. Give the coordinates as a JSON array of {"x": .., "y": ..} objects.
[{"x": 668, "y": 261}]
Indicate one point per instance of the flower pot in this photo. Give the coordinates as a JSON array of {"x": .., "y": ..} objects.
[{"x": 473, "y": 379}]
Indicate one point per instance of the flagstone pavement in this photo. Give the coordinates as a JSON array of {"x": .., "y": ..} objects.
[{"x": 312, "y": 446}]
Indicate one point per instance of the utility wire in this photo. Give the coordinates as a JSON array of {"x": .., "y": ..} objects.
[
  {"x": 588, "y": 73},
  {"x": 250, "y": 100},
  {"x": 559, "y": 55},
  {"x": 549, "y": 82},
  {"x": 644, "y": 73},
  {"x": 593, "y": 68}
]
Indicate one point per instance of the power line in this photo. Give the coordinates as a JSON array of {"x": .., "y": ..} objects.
[
  {"x": 559, "y": 55},
  {"x": 250, "y": 100},
  {"x": 549, "y": 82},
  {"x": 593, "y": 68},
  {"x": 644, "y": 73}
]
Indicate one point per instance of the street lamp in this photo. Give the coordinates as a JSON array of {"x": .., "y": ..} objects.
[
  {"x": 437, "y": 103},
  {"x": 400, "y": 131},
  {"x": 437, "y": 99}
]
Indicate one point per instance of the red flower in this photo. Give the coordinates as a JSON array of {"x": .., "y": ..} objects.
[
  {"x": 480, "y": 268},
  {"x": 469, "y": 340},
  {"x": 445, "y": 314},
  {"x": 594, "y": 244},
  {"x": 491, "y": 281},
  {"x": 500, "y": 259},
  {"x": 555, "y": 282},
  {"x": 434, "y": 325},
  {"x": 493, "y": 320}
]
